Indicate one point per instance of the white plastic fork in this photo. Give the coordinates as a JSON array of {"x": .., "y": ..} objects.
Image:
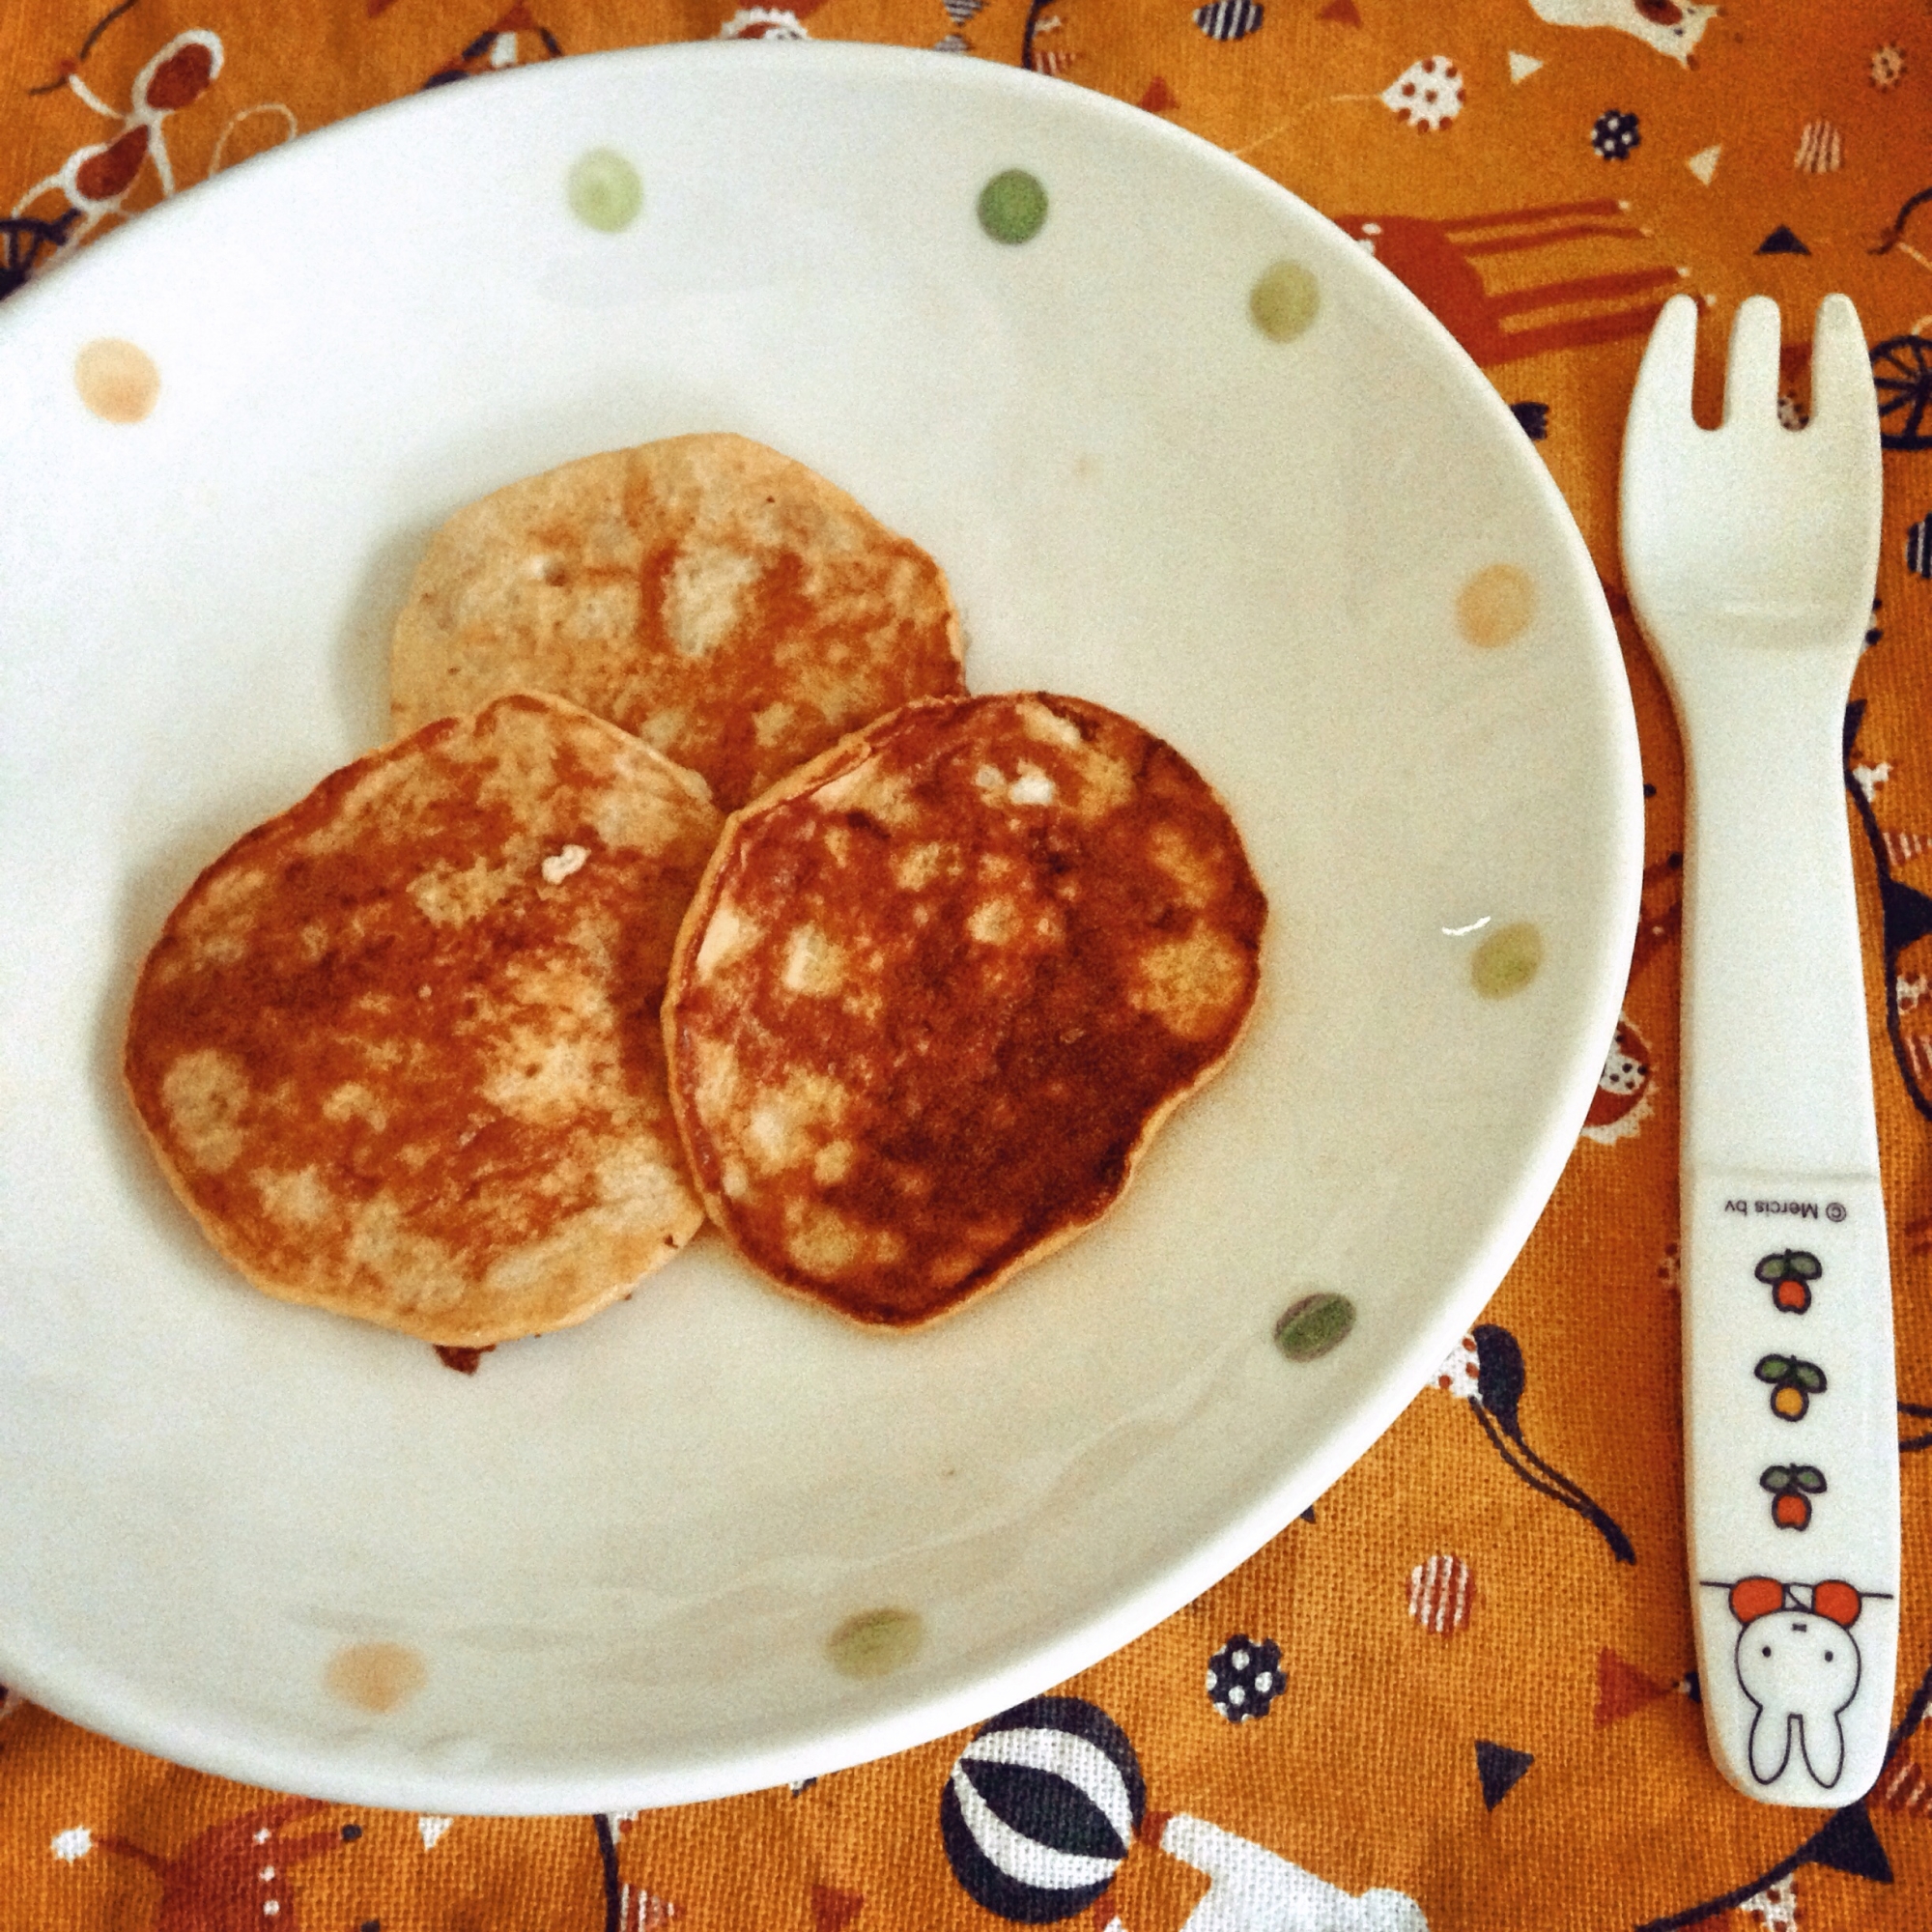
[{"x": 1750, "y": 553}]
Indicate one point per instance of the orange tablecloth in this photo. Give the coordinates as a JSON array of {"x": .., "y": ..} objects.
[{"x": 1489, "y": 1718}]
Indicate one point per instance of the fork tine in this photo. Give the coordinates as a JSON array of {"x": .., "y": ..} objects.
[
  {"x": 1842, "y": 378},
  {"x": 1661, "y": 402},
  {"x": 1750, "y": 372}
]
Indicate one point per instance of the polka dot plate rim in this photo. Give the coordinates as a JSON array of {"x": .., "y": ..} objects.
[{"x": 625, "y": 1564}]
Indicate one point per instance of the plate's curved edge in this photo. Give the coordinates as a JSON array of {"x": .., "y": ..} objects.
[{"x": 132, "y": 1718}]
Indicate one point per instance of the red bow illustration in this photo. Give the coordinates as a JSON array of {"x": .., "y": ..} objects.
[{"x": 1754, "y": 1597}]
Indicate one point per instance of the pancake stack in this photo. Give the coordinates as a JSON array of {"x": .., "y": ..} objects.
[{"x": 471, "y": 1039}]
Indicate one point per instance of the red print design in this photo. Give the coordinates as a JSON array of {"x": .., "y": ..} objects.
[
  {"x": 233, "y": 1877},
  {"x": 108, "y": 172},
  {"x": 181, "y": 79},
  {"x": 1437, "y": 260}
]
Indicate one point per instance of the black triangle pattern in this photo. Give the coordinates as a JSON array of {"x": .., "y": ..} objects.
[
  {"x": 1846, "y": 1843},
  {"x": 1500, "y": 1768}
]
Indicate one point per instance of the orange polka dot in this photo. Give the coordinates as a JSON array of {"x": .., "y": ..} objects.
[
  {"x": 1495, "y": 606},
  {"x": 376, "y": 1676},
  {"x": 116, "y": 379}
]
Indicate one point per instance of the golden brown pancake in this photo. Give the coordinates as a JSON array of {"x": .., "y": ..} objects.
[
  {"x": 731, "y": 607},
  {"x": 939, "y": 989},
  {"x": 398, "y": 1048}
]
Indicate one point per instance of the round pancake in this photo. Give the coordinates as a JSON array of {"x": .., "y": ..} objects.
[
  {"x": 397, "y": 1049},
  {"x": 725, "y": 603},
  {"x": 939, "y": 989}
]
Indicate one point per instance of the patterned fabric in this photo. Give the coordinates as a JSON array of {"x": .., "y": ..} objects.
[{"x": 1460, "y": 1693}]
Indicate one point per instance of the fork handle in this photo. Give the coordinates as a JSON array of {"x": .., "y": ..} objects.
[
  {"x": 1791, "y": 1420},
  {"x": 1777, "y": 1058}
]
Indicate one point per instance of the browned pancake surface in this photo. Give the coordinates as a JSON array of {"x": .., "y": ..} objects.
[
  {"x": 398, "y": 1050},
  {"x": 938, "y": 989},
  {"x": 731, "y": 607}
]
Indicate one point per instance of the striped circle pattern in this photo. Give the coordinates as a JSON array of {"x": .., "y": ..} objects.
[
  {"x": 1040, "y": 1808},
  {"x": 1229, "y": 19}
]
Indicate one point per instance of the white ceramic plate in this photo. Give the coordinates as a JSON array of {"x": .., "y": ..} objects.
[{"x": 609, "y": 1568}]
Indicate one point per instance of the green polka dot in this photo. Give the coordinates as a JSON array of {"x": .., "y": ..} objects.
[
  {"x": 605, "y": 191},
  {"x": 1284, "y": 302},
  {"x": 1012, "y": 205},
  {"x": 1309, "y": 1328},
  {"x": 1506, "y": 961},
  {"x": 875, "y": 1642}
]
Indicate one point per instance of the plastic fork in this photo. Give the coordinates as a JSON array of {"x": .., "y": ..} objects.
[{"x": 1751, "y": 554}]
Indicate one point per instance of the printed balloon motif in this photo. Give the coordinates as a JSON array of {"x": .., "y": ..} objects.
[
  {"x": 1427, "y": 94},
  {"x": 1040, "y": 1808}
]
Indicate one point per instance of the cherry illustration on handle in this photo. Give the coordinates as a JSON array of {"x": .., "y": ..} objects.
[
  {"x": 1789, "y": 1276},
  {"x": 1792, "y": 1485},
  {"x": 1794, "y": 1384}
]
